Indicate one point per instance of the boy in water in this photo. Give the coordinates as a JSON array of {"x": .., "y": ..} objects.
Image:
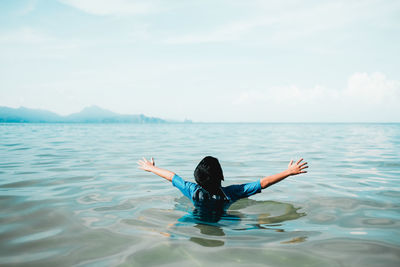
[{"x": 208, "y": 192}]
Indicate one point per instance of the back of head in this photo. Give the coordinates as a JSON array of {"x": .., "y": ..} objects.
[{"x": 208, "y": 174}]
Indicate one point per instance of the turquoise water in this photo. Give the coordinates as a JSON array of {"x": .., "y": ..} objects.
[{"x": 71, "y": 194}]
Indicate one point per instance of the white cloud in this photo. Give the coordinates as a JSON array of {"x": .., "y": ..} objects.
[
  {"x": 25, "y": 35},
  {"x": 38, "y": 45},
  {"x": 228, "y": 32},
  {"x": 366, "y": 97},
  {"x": 374, "y": 89},
  {"x": 115, "y": 7},
  {"x": 288, "y": 23},
  {"x": 284, "y": 21}
]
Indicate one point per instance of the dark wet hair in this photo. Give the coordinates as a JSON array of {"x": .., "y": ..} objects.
[{"x": 208, "y": 174}]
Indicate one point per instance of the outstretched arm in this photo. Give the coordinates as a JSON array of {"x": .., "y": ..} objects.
[
  {"x": 151, "y": 167},
  {"x": 293, "y": 169}
]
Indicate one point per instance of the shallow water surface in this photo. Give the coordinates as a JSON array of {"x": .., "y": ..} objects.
[{"x": 71, "y": 194}]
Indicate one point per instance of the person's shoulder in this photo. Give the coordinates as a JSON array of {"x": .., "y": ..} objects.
[
  {"x": 231, "y": 190},
  {"x": 237, "y": 191},
  {"x": 186, "y": 187}
]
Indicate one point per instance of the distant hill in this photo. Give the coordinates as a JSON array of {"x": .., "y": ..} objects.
[{"x": 93, "y": 114}]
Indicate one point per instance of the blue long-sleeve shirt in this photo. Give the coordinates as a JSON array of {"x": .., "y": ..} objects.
[{"x": 232, "y": 192}]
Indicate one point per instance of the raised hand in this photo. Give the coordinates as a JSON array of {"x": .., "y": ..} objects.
[
  {"x": 297, "y": 167},
  {"x": 146, "y": 165}
]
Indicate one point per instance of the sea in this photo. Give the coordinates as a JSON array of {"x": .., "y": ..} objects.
[{"x": 73, "y": 195}]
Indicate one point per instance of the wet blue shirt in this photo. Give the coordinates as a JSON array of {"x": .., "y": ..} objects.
[{"x": 232, "y": 192}]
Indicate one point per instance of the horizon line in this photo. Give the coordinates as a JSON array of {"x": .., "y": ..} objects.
[
  {"x": 215, "y": 122},
  {"x": 190, "y": 121}
]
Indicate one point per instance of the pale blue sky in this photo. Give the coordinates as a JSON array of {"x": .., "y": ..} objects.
[{"x": 219, "y": 60}]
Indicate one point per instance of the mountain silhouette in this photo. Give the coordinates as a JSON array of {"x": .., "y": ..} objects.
[{"x": 92, "y": 114}]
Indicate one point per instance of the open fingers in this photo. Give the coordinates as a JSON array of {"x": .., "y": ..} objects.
[
  {"x": 143, "y": 163},
  {"x": 300, "y": 160},
  {"x": 304, "y": 163},
  {"x": 290, "y": 163},
  {"x": 140, "y": 163}
]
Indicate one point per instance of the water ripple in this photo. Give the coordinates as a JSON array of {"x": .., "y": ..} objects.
[{"x": 72, "y": 195}]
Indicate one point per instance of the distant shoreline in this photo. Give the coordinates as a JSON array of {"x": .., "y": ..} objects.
[
  {"x": 93, "y": 114},
  {"x": 98, "y": 115},
  {"x": 198, "y": 123}
]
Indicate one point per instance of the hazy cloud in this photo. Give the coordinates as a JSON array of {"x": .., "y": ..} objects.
[
  {"x": 369, "y": 93},
  {"x": 240, "y": 60},
  {"x": 283, "y": 21},
  {"x": 374, "y": 89},
  {"x": 115, "y": 7},
  {"x": 26, "y": 35}
]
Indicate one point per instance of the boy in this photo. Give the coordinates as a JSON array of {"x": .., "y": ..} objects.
[{"x": 208, "y": 192}]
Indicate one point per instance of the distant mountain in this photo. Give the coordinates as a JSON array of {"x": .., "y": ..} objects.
[
  {"x": 93, "y": 114},
  {"x": 23, "y": 114}
]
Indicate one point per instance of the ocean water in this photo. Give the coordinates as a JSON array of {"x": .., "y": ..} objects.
[{"x": 71, "y": 194}]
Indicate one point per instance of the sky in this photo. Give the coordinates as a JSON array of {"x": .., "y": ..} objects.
[{"x": 208, "y": 61}]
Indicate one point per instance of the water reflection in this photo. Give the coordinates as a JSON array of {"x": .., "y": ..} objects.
[
  {"x": 209, "y": 230},
  {"x": 243, "y": 215}
]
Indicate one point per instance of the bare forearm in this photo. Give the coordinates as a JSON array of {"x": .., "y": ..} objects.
[
  {"x": 270, "y": 180},
  {"x": 293, "y": 169},
  {"x": 163, "y": 173}
]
